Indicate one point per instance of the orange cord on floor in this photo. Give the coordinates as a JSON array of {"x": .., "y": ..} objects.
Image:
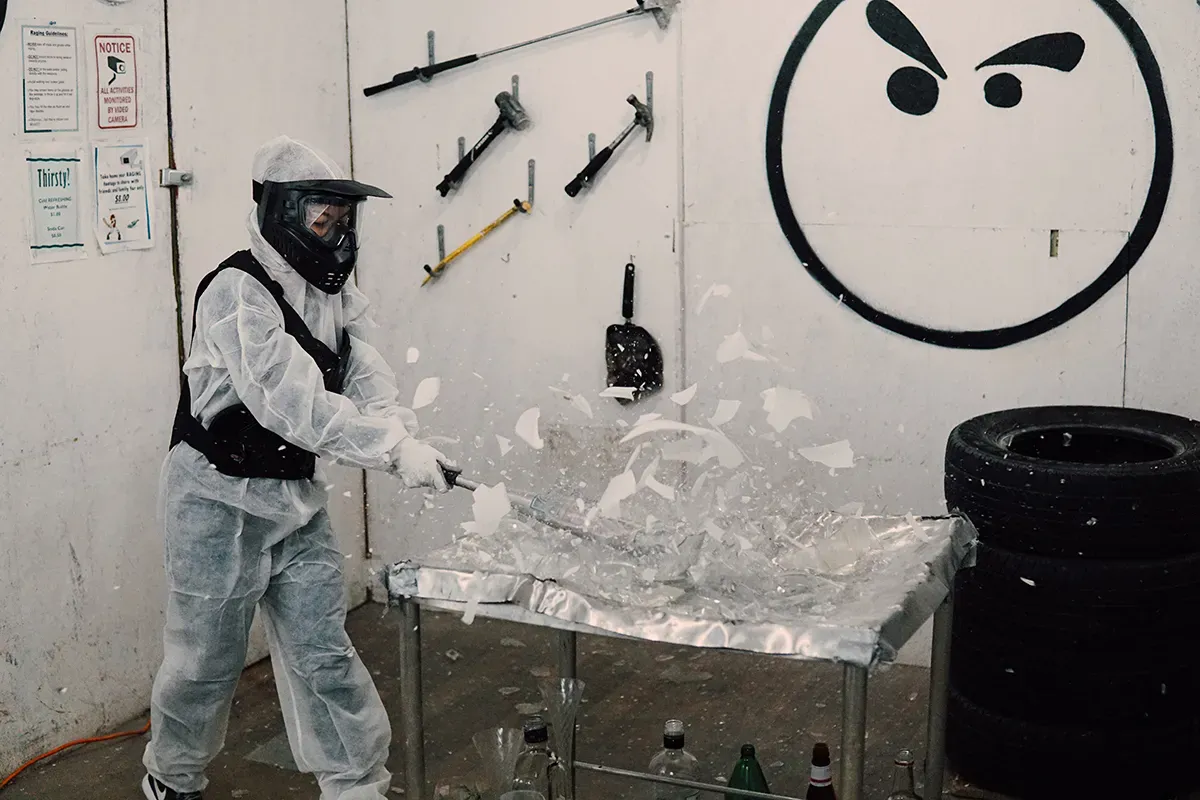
[{"x": 68, "y": 746}]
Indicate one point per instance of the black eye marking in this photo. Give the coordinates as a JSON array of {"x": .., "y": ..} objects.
[
  {"x": 1003, "y": 90},
  {"x": 1060, "y": 51},
  {"x": 913, "y": 91},
  {"x": 898, "y": 31}
]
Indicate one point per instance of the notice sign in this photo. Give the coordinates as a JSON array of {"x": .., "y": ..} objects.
[
  {"x": 54, "y": 190},
  {"x": 122, "y": 200},
  {"x": 116, "y": 73},
  {"x": 50, "y": 78}
]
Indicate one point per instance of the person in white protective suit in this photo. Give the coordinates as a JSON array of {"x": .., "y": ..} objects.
[{"x": 280, "y": 373}]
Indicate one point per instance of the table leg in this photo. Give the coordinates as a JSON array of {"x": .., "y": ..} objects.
[
  {"x": 411, "y": 709},
  {"x": 567, "y": 668},
  {"x": 939, "y": 699},
  {"x": 566, "y": 654},
  {"x": 854, "y": 731}
]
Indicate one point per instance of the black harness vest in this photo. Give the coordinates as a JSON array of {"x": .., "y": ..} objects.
[{"x": 234, "y": 442}]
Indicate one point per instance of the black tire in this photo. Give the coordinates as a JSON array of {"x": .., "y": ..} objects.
[
  {"x": 1034, "y": 761},
  {"x": 1132, "y": 599},
  {"x": 1079, "y": 631},
  {"x": 1042, "y": 686},
  {"x": 1085, "y": 641},
  {"x": 1078, "y": 481}
]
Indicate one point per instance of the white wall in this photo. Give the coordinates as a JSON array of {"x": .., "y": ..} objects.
[
  {"x": 90, "y": 364},
  {"x": 1164, "y": 303},
  {"x": 942, "y": 219},
  {"x": 531, "y": 303},
  {"x": 89, "y": 381}
]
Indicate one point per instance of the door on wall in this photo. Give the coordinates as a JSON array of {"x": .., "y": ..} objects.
[{"x": 220, "y": 118}]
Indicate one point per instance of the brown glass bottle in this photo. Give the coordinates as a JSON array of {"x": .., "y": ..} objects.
[
  {"x": 820, "y": 782},
  {"x": 903, "y": 785}
]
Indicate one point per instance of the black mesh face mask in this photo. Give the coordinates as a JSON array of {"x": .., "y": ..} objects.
[{"x": 314, "y": 226}]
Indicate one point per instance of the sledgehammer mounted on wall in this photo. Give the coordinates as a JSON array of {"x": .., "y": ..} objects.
[
  {"x": 512, "y": 115},
  {"x": 660, "y": 10}
]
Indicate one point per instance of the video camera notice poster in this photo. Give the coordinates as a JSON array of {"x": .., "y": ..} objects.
[
  {"x": 54, "y": 186},
  {"x": 122, "y": 219},
  {"x": 116, "y": 77},
  {"x": 50, "y": 78}
]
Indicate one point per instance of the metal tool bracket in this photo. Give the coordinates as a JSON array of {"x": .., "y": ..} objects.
[
  {"x": 649, "y": 99},
  {"x": 429, "y": 40}
]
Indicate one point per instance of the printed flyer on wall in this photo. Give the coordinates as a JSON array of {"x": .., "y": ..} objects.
[
  {"x": 122, "y": 219},
  {"x": 50, "y": 78},
  {"x": 116, "y": 78},
  {"x": 54, "y": 187}
]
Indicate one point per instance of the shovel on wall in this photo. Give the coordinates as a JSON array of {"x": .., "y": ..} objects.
[{"x": 634, "y": 358}]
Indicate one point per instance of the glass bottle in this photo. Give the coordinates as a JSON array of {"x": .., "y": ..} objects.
[
  {"x": 903, "y": 784},
  {"x": 537, "y": 769},
  {"x": 747, "y": 774},
  {"x": 674, "y": 762},
  {"x": 820, "y": 780}
]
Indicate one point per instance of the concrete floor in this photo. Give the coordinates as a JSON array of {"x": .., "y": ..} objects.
[{"x": 475, "y": 677}]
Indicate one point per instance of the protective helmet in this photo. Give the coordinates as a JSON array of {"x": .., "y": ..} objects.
[{"x": 308, "y": 211}]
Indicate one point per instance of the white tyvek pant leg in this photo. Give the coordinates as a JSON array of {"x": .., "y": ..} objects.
[
  {"x": 216, "y": 573},
  {"x": 336, "y": 723}
]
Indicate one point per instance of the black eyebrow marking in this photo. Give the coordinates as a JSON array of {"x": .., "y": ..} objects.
[
  {"x": 898, "y": 31},
  {"x": 1060, "y": 51}
]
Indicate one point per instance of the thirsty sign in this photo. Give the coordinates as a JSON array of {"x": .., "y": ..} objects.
[
  {"x": 54, "y": 192},
  {"x": 116, "y": 80}
]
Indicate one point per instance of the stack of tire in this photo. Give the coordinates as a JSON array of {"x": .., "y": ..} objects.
[{"x": 1075, "y": 641}]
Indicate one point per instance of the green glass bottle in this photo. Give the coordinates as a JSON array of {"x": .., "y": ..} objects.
[{"x": 747, "y": 774}]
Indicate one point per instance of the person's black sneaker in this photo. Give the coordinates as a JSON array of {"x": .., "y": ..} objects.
[{"x": 156, "y": 790}]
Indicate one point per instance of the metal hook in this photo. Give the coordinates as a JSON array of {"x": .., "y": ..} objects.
[
  {"x": 650, "y": 98},
  {"x": 441, "y": 233},
  {"x": 429, "y": 39},
  {"x": 531, "y": 174}
]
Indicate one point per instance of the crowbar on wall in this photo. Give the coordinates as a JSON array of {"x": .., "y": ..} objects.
[
  {"x": 659, "y": 9},
  {"x": 518, "y": 206}
]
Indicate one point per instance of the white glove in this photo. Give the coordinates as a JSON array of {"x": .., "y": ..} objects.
[
  {"x": 408, "y": 417},
  {"x": 418, "y": 464}
]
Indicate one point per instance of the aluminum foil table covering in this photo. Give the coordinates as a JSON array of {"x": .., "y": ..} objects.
[{"x": 853, "y": 591}]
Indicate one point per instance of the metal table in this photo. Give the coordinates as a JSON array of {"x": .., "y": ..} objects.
[{"x": 545, "y": 603}]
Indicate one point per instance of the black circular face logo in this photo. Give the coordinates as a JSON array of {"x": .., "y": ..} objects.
[{"x": 924, "y": 165}]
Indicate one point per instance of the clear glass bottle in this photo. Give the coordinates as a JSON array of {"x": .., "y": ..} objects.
[
  {"x": 674, "y": 762},
  {"x": 537, "y": 769},
  {"x": 903, "y": 784}
]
